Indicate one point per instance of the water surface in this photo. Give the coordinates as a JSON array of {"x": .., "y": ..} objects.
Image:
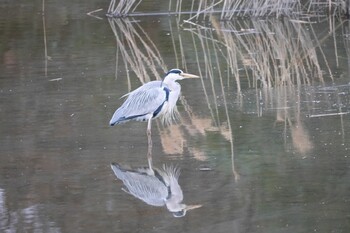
[{"x": 259, "y": 156}]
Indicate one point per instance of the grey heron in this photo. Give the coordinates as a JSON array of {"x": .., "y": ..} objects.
[
  {"x": 156, "y": 187},
  {"x": 151, "y": 100}
]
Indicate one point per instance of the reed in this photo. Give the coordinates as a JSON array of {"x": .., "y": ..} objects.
[
  {"x": 227, "y": 9},
  {"x": 270, "y": 52},
  {"x": 44, "y": 36},
  {"x": 248, "y": 53},
  {"x": 279, "y": 59},
  {"x": 137, "y": 50},
  {"x": 266, "y": 8},
  {"x": 122, "y": 8}
]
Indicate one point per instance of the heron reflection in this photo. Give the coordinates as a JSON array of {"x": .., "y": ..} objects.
[{"x": 156, "y": 187}]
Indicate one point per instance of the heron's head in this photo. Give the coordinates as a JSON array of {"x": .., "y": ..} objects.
[
  {"x": 180, "y": 210},
  {"x": 177, "y": 74}
]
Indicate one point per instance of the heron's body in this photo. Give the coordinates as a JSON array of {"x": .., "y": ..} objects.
[
  {"x": 152, "y": 100},
  {"x": 156, "y": 187}
]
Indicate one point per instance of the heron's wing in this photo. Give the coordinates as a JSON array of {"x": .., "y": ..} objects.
[
  {"x": 146, "y": 86},
  {"x": 143, "y": 186},
  {"x": 140, "y": 102}
]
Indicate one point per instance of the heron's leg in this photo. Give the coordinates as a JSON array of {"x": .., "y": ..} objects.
[
  {"x": 149, "y": 136},
  {"x": 149, "y": 159}
]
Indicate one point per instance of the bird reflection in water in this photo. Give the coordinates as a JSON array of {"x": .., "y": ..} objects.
[{"x": 156, "y": 187}]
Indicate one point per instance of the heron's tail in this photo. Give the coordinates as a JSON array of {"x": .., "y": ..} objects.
[
  {"x": 118, "y": 117},
  {"x": 121, "y": 171},
  {"x": 115, "y": 119},
  {"x": 117, "y": 169}
]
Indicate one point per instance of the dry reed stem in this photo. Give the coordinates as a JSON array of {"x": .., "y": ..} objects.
[
  {"x": 137, "y": 49},
  {"x": 123, "y": 8},
  {"x": 44, "y": 36},
  {"x": 204, "y": 41},
  {"x": 283, "y": 53},
  {"x": 231, "y": 8}
]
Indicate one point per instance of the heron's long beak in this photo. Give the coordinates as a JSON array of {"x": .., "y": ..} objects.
[
  {"x": 192, "y": 207},
  {"x": 185, "y": 75}
]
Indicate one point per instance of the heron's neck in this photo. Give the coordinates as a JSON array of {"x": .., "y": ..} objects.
[
  {"x": 172, "y": 85},
  {"x": 174, "y": 205}
]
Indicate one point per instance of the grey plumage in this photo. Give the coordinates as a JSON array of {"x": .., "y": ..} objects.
[{"x": 152, "y": 99}]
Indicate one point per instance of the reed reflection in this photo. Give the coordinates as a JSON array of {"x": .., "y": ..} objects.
[
  {"x": 287, "y": 104},
  {"x": 274, "y": 57},
  {"x": 154, "y": 186},
  {"x": 137, "y": 50}
]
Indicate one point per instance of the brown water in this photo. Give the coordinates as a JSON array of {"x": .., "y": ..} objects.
[{"x": 257, "y": 157}]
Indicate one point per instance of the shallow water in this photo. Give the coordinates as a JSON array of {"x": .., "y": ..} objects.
[{"x": 258, "y": 158}]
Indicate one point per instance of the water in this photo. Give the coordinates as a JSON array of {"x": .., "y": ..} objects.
[{"x": 257, "y": 159}]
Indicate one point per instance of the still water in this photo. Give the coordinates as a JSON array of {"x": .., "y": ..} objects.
[{"x": 263, "y": 141}]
